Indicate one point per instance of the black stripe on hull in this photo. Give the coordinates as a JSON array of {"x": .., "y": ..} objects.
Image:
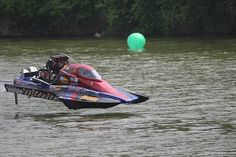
[{"x": 73, "y": 104}]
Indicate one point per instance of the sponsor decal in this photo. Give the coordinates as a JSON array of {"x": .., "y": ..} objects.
[
  {"x": 17, "y": 82},
  {"x": 74, "y": 79},
  {"x": 57, "y": 88},
  {"x": 89, "y": 98},
  {"x": 64, "y": 80}
]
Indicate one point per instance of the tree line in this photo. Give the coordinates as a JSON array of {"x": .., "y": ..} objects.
[{"x": 117, "y": 17}]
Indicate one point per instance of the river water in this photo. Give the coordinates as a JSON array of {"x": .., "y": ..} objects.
[{"x": 191, "y": 83}]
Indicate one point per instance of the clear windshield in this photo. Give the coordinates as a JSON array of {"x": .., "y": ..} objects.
[{"x": 89, "y": 74}]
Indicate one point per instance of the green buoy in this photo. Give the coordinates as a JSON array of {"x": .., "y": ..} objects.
[{"x": 136, "y": 42}]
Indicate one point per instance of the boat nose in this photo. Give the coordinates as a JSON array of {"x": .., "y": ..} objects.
[{"x": 104, "y": 86}]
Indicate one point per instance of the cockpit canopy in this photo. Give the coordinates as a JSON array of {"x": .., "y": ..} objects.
[
  {"x": 82, "y": 70},
  {"x": 93, "y": 74}
]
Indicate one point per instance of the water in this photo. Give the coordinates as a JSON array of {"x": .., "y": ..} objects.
[{"x": 191, "y": 112}]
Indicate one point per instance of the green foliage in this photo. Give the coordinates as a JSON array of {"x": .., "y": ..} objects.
[
  {"x": 146, "y": 16},
  {"x": 117, "y": 17},
  {"x": 197, "y": 17}
]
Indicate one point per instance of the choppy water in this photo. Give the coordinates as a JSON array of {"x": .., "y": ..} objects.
[{"x": 191, "y": 112}]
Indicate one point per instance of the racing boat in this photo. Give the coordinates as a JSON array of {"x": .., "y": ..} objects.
[{"x": 76, "y": 85}]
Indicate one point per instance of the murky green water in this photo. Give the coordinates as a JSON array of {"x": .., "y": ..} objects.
[{"x": 191, "y": 111}]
